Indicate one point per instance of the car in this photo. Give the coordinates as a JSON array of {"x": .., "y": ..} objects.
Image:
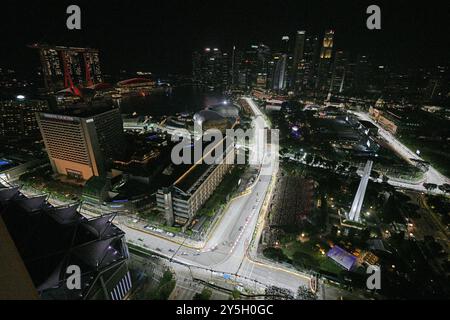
[{"x": 171, "y": 250}]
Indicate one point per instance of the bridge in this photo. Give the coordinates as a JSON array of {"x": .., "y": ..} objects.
[{"x": 354, "y": 214}]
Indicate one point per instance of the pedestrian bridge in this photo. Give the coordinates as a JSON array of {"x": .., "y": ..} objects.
[{"x": 355, "y": 211}]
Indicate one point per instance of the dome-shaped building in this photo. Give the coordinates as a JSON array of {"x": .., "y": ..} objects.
[
  {"x": 209, "y": 119},
  {"x": 226, "y": 110}
]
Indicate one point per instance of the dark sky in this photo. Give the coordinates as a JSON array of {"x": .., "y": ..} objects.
[{"x": 160, "y": 36}]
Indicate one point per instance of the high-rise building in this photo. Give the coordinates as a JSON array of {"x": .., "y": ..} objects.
[
  {"x": 309, "y": 65},
  {"x": 299, "y": 48},
  {"x": 324, "y": 72},
  {"x": 82, "y": 144},
  {"x": 238, "y": 72},
  {"x": 281, "y": 66},
  {"x": 211, "y": 68},
  {"x": 279, "y": 71},
  {"x": 362, "y": 74},
  {"x": 68, "y": 67},
  {"x": 285, "y": 44},
  {"x": 250, "y": 67},
  {"x": 17, "y": 117},
  {"x": 339, "y": 72}
]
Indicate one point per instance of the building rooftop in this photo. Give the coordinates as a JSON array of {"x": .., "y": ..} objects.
[
  {"x": 82, "y": 110},
  {"x": 50, "y": 238}
]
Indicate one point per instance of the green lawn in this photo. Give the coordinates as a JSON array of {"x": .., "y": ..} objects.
[{"x": 307, "y": 255}]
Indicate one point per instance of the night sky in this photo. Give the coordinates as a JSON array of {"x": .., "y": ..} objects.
[{"x": 159, "y": 36}]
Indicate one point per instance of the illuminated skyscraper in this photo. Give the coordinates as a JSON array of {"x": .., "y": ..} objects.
[
  {"x": 82, "y": 144},
  {"x": 211, "y": 68},
  {"x": 281, "y": 66},
  {"x": 17, "y": 118},
  {"x": 68, "y": 67},
  {"x": 299, "y": 47},
  {"x": 339, "y": 72},
  {"x": 324, "y": 72},
  {"x": 310, "y": 62},
  {"x": 362, "y": 73}
]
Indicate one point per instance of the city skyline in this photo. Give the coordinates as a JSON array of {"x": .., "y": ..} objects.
[
  {"x": 225, "y": 150},
  {"x": 143, "y": 37}
]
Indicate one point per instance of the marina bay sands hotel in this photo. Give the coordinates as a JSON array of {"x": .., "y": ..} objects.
[{"x": 68, "y": 67}]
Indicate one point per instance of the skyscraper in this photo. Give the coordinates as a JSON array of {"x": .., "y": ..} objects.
[
  {"x": 68, "y": 67},
  {"x": 339, "y": 72},
  {"x": 17, "y": 118},
  {"x": 362, "y": 73},
  {"x": 210, "y": 67},
  {"x": 81, "y": 145},
  {"x": 299, "y": 47},
  {"x": 324, "y": 72},
  {"x": 309, "y": 66},
  {"x": 279, "y": 71},
  {"x": 250, "y": 66},
  {"x": 280, "y": 66}
]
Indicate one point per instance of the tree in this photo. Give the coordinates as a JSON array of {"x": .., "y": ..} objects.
[
  {"x": 204, "y": 295},
  {"x": 236, "y": 294},
  {"x": 165, "y": 287},
  {"x": 275, "y": 254}
]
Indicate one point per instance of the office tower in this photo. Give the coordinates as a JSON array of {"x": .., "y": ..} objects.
[
  {"x": 225, "y": 70},
  {"x": 339, "y": 72},
  {"x": 81, "y": 143},
  {"x": 278, "y": 71},
  {"x": 17, "y": 118},
  {"x": 68, "y": 67},
  {"x": 324, "y": 72},
  {"x": 211, "y": 68},
  {"x": 299, "y": 47},
  {"x": 239, "y": 75},
  {"x": 263, "y": 58},
  {"x": 310, "y": 62},
  {"x": 233, "y": 67},
  {"x": 380, "y": 77},
  {"x": 251, "y": 66},
  {"x": 362, "y": 74},
  {"x": 285, "y": 44},
  {"x": 279, "y": 67}
]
